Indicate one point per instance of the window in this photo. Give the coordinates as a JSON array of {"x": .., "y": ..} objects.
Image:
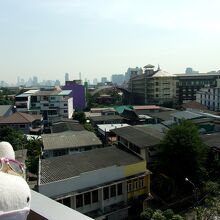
[
  {"x": 135, "y": 184},
  {"x": 65, "y": 111},
  {"x": 66, "y": 202},
  {"x": 141, "y": 183},
  {"x": 119, "y": 189},
  {"x": 106, "y": 193},
  {"x": 129, "y": 186},
  {"x": 87, "y": 198},
  {"x": 22, "y": 126},
  {"x": 79, "y": 201},
  {"x": 65, "y": 104},
  {"x": 94, "y": 196},
  {"x": 113, "y": 190}
]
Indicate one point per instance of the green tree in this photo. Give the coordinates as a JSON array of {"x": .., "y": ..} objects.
[
  {"x": 182, "y": 153},
  {"x": 168, "y": 213},
  {"x": 158, "y": 215},
  {"x": 177, "y": 217},
  {"x": 89, "y": 127},
  {"x": 14, "y": 137},
  {"x": 147, "y": 214},
  {"x": 79, "y": 116},
  {"x": 33, "y": 153}
]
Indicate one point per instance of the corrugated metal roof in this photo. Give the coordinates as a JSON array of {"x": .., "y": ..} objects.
[
  {"x": 4, "y": 109},
  {"x": 186, "y": 115},
  {"x": 69, "y": 139},
  {"x": 137, "y": 136},
  {"x": 106, "y": 118},
  {"x": 67, "y": 166},
  {"x": 65, "y": 92}
]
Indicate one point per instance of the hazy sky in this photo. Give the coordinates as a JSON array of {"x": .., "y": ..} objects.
[{"x": 103, "y": 37}]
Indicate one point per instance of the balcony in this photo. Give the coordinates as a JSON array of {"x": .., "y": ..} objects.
[{"x": 43, "y": 208}]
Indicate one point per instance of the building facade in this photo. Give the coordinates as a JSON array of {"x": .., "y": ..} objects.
[
  {"x": 210, "y": 97},
  {"x": 101, "y": 189},
  {"x": 153, "y": 87},
  {"x": 78, "y": 94},
  {"x": 49, "y": 103},
  {"x": 189, "y": 84}
]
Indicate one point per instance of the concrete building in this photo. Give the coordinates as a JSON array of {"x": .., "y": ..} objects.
[
  {"x": 153, "y": 87},
  {"x": 210, "y": 97},
  {"x": 189, "y": 84},
  {"x": 104, "y": 80},
  {"x": 131, "y": 72},
  {"x": 50, "y": 103},
  {"x": 101, "y": 183},
  {"x": 78, "y": 94},
  {"x": 67, "y": 77},
  {"x": 118, "y": 79}
]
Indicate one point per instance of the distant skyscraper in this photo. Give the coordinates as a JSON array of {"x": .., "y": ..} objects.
[
  {"x": 118, "y": 79},
  {"x": 95, "y": 81},
  {"x": 35, "y": 81},
  {"x": 67, "y": 77},
  {"x": 104, "y": 79},
  {"x": 189, "y": 70},
  {"x": 132, "y": 71}
]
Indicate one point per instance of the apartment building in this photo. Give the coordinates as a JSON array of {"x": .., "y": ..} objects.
[
  {"x": 153, "y": 87},
  {"x": 50, "y": 103},
  {"x": 210, "y": 97},
  {"x": 101, "y": 183},
  {"x": 158, "y": 86},
  {"x": 189, "y": 84}
]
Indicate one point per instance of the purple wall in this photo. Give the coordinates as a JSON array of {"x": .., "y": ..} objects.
[{"x": 78, "y": 94}]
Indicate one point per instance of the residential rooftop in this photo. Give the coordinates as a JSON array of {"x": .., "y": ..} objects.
[
  {"x": 67, "y": 166},
  {"x": 109, "y": 127},
  {"x": 106, "y": 118},
  {"x": 20, "y": 118},
  {"x": 69, "y": 139},
  {"x": 212, "y": 140},
  {"x": 137, "y": 136},
  {"x": 4, "y": 109}
]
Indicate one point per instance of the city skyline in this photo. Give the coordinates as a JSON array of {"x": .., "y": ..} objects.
[{"x": 97, "y": 38}]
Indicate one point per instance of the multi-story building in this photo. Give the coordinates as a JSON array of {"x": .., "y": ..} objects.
[
  {"x": 210, "y": 97},
  {"x": 118, "y": 79},
  {"x": 101, "y": 183},
  {"x": 189, "y": 84},
  {"x": 78, "y": 93},
  {"x": 153, "y": 87},
  {"x": 132, "y": 72},
  {"x": 104, "y": 80},
  {"x": 157, "y": 87},
  {"x": 50, "y": 103}
]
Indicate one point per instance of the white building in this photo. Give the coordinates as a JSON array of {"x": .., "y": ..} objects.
[
  {"x": 49, "y": 103},
  {"x": 99, "y": 183},
  {"x": 210, "y": 97}
]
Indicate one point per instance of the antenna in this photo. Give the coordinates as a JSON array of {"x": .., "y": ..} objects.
[{"x": 80, "y": 75}]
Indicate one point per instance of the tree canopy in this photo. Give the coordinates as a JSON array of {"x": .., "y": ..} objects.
[
  {"x": 14, "y": 137},
  {"x": 79, "y": 116},
  {"x": 182, "y": 153}
]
